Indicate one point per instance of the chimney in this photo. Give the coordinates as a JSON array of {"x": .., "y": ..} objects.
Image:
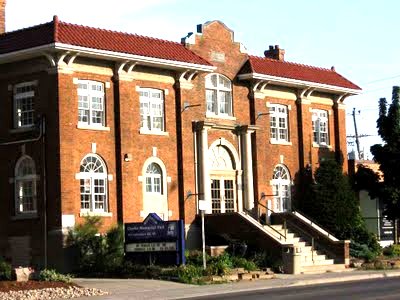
[
  {"x": 2, "y": 16},
  {"x": 275, "y": 53}
]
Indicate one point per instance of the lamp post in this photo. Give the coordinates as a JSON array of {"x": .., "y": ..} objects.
[{"x": 203, "y": 208}]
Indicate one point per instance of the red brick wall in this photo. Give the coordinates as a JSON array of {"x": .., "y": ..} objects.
[
  {"x": 140, "y": 146},
  {"x": 2, "y": 16},
  {"x": 215, "y": 39},
  {"x": 76, "y": 143}
]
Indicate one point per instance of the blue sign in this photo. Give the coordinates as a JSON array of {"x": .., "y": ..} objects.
[{"x": 159, "y": 240}]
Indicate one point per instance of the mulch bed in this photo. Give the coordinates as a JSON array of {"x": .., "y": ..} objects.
[{"x": 6, "y": 286}]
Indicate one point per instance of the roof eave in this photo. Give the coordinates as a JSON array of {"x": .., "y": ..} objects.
[
  {"x": 104, "y": 54},
  {"x": 300, "y": 83},
  {"x": 143, "y": 60}
]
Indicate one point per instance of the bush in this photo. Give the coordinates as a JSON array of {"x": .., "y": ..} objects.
[
  {"x": 52, "y": 275},
  {"x": 219, "y": 265},
  {"x": 361, "y": 251},
  {"x": 5, "y": 270},
  {"x": 190, "y": 274},
  {"x": 392, "y": 251},
  {"x": 240, "y": 262},
  {"x": 96, "y": 253}
]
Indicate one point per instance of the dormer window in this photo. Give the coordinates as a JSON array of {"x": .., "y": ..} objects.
[{"x": 219, "y": 95}]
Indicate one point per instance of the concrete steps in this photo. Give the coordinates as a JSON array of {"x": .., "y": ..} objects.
[
  {"x": 318, "y": 269},
  {"x": 312, "y": 261}
]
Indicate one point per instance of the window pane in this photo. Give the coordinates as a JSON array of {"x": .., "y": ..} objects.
[
  {"x": 148, "y": 185},
  {"x": 211, "y": 96}
]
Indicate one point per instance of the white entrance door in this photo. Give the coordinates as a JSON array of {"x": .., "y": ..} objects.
[{"x": 223, "y": 195}]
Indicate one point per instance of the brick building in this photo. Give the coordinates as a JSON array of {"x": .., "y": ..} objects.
[{"x": 96, "y": 122}]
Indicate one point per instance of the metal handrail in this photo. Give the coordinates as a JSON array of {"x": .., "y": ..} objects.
[
  {"x": 266, "y": 223},
  {"x": 285, "y": 221}
]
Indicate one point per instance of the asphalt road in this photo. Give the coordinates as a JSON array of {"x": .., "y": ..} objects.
[{"x": 387, "y": 288}]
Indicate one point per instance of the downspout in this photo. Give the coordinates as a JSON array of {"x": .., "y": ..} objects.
[
  {"x": 43, "y": 131},
  {"x": 196, "y": 169}
]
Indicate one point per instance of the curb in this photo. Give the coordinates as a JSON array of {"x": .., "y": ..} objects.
[{"x": 294, "y": 282}]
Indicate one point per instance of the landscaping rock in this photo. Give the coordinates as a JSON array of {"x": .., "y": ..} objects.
[
  {"x": 245, "y": 276},
  {"x": 23, "y": 274}
]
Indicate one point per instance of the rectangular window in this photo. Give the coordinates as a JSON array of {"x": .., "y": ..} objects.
[
  {"x": 151, "y": 110},
  {"x": 219, "y": 95},
  {"x": 320, "y": 127},
  {"x": 91, "y": 110},
  {"x": 24, "y": 112},
  {"x": 278, "y": 121}
]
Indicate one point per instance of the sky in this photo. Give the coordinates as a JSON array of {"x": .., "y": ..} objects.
[{"x": 358, "y": 37}]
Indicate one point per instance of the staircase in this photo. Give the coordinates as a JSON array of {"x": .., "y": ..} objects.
[
  {"x": 303, "y": 246},
  {"x": 311, "y": 260}
]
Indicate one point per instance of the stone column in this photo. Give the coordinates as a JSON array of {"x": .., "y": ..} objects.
[
  {"x": 249, "y": 171},
  {"x": 205, "y": 174}
]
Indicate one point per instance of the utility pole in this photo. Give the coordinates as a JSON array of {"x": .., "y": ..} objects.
[{"x": 356, "y": 133}]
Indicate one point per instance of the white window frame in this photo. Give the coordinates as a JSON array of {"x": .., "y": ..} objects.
[
  {"x": 24, "y": 96},
  {"x": 215, "y": 105},
  {"x": 153, "y": 99},
  {"x": 279, "y": 126},
  {"x": 93, "y": 92},
  {"x": 22, "y": 179},
  {"x": 320, "y": 127},
  {"x": 281, "y": 184},
  {"x": 91, "y": 172},
  {"x": 153, "y": 180}
]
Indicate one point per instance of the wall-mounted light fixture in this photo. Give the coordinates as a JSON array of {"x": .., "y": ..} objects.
[
  {"x": 190, "y": 194},
  {"x": 262, "y": 114},
  {"x": 187, "y": 105}
]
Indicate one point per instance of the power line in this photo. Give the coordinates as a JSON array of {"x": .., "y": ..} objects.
[{"x": 381, "y": 79}]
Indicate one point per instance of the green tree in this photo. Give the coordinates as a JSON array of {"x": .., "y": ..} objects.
[
  {"x": 388, "y": 153},
  {"x": 333, "y": 203}
]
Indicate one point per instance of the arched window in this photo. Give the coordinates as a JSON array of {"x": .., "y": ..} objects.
[
  {"x": 219, "y": 95},
  {"x": 93, "y": 184},
  {"x": 281, "y": 188},
  {"x": 154, "y": 179},
  {"x": 25, "y": 186}
]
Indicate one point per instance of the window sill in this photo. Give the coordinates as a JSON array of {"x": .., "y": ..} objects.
[
  {"x": 153, "y": 132},
  {"x": 315, "y": 145},
  {"x": 283, "y": 143},
  {"x": 95, "y": 214},
  {"x": 92, "y": 127},
  {"x": 22, "y": 129},
  {"x": 27, "y": 216},
  {"x": 224, "y": 117}
]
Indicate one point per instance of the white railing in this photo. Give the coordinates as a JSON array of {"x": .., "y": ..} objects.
[{"x": 315, "y": 226}]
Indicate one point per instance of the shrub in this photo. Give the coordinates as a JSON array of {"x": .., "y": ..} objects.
[
  {"x": 361, "y": 251},
  {"x": 219, "y": 265},
  {"x": 5, "y": 270},
  {"x": 53, "y": 275},
  {"x": 392, "y": 251},
  {"x": 96, "y": 253},
  {"x": 240, "y": 262},
  {"x": 190, "y": 274}
]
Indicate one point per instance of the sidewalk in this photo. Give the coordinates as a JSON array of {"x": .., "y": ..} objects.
[{"x": 157, "y": 289}]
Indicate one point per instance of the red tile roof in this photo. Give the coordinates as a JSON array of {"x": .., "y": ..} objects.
[
  {"x": 99, "y": 39},
  {"x": 273, "y": 67}
]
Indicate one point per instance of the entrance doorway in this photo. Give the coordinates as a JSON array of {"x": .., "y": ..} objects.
[{"x": 223, "y": 192}]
